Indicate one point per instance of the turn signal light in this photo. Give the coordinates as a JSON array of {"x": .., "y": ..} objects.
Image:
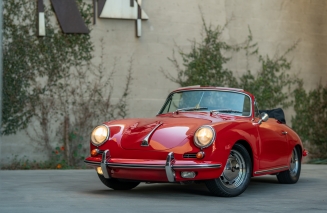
[
  {"x": 94, "y": 152},
  {"x": 200, "y": 155}
]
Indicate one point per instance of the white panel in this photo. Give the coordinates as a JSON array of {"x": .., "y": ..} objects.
[
  {"x": 41, "y": 24},
  {"x": 144, "y": 15},
  {"x": 127, "y": 11},
  {"x": 121, "y": 9},
  {"x": 139, "y": 27}
]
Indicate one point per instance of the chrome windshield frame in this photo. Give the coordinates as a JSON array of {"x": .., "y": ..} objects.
[{"x": 199, "y": 89}]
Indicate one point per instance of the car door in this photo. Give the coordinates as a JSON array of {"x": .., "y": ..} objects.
[{"x": 272, "y": 144}]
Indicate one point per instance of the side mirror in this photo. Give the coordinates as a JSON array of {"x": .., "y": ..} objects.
[{"x": 263, "y": 117}]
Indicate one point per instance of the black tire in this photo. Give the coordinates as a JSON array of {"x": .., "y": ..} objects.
[
  {"x": 117, "y": 184},
  {"x": 236, "y": 175},
  {"x": 292, "y": 175}
]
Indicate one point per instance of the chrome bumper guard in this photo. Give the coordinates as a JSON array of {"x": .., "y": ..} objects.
[
  {"x": 105, "y": 155},
  {"x": 168, "y": 167}
]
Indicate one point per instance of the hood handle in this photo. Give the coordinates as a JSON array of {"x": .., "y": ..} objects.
[{"x": 145, "y": 141}]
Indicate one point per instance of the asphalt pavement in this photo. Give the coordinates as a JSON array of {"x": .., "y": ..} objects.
[{"x": 33, "y": 191}]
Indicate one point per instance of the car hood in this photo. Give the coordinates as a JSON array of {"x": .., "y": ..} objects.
[{"x": 158, "y": 133}]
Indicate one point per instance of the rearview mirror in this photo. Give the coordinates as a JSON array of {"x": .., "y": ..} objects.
[{"x": 263, "y": 117}]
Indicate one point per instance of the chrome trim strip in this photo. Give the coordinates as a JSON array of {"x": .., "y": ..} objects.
[
  {"x": 105, "y": 155},
  {"x": 168, "y": 167},
  {"x": 270, "y": 170},
  {"x": 92, "y": 163},
  {"x": 135, "y": 166},
  {"x": 145, "y": 141},
  {"x": 209, "y": 89},
  {"x": 149, "y": 166},
  {"x": 201, "y": 166}
]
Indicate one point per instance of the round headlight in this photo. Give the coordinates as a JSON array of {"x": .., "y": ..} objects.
[
  {"x": 99, "y": 135},
  {"x": 204, "y": 136}
]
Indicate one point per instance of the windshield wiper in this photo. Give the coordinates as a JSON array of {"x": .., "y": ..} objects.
[
  {"x": 190, "y": 109},
  {"x": 225, "y": 110}
]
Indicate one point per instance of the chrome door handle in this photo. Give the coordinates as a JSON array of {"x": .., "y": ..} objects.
[{"x": 284, "y": 132}]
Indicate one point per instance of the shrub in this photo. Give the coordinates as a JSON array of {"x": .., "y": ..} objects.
[
  {"x": 272, "y": 86},
  {"x": 51, "y": 85},
  {"x": 204, "y": 64},
  {"x": 310, "y": 120}
]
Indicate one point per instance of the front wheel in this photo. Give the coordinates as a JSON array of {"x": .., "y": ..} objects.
[
  {"x": 293, "y": 174},
  {"x": 117, "y": 184},
  {"x": 236, "y": 175}
]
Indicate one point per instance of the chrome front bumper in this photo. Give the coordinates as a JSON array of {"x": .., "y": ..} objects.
[{"x": 169, "y": 166}]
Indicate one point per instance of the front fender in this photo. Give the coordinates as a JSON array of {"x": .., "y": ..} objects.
[{"x": 229, "y": 133}]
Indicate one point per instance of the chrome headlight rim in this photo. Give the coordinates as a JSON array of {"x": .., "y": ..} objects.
[
  {"x": 197, "y": 143},
  {"x": 107, "y": 137}
]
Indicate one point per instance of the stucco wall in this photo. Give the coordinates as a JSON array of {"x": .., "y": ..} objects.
[
  {"x": 169, "y": 22},
  {"x": 275, "y": 25}
]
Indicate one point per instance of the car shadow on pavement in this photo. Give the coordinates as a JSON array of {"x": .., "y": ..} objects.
[
  {"x": 161, "y": 190},
  {"x": 263, "y": 184},
  {"x": 269, "y": 179},
  {"x": 158, "y": 190}
]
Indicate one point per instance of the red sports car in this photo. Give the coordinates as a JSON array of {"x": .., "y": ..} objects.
[{"x": 201, "y": 134}]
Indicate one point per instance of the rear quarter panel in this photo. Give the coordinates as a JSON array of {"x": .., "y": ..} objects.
[{"x": 293, "y": 140}]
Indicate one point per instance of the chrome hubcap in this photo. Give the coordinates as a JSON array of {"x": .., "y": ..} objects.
[
  {"x": 294, "y": 166},
  {"x": 235, "y": 170}
]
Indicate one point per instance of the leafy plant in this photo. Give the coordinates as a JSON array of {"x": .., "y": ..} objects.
[
  {"x": 29, "y": 60},
  {"x": 310, "y": 120},
  {"x": 271, "y": 84},
  {"x": 204, "y": 64},
  {"x": 56, "y": 161},
  {"x": 51, "y": 85}
]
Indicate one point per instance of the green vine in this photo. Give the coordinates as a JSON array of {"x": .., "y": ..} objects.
[
  {"x": 29, "y": 60},
  {"x": 272, "y": 85},
  {"x": 206, "y": 63},
  {"x": 310, "y": 120},
  {"x": 52, "y": 87},
  {"x": 203, "y": 65}
]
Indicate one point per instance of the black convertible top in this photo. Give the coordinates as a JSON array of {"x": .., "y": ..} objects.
[{"x": 277, "y": 113}]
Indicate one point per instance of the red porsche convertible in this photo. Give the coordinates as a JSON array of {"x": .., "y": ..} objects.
[{"x": 201, "y": 134}]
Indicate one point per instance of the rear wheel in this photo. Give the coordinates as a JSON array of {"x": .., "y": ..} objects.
[
  {"x": 117, "y": 184},
  {"x": 293, "y": 174},
  {"x": 236, "y": 175}
]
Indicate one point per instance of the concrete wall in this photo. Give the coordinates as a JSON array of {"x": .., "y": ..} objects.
[
  {"x": 275, "y": 25},
  {"x": 170, "y": 22}
]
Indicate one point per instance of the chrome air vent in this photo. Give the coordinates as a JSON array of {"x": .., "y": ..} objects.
[{"x": 189, "y": 155}]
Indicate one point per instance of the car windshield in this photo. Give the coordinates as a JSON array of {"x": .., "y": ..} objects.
[{"x": 227, "y": 102}]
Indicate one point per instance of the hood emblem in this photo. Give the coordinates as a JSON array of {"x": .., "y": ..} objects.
[{"x": 145, "y": 141}]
